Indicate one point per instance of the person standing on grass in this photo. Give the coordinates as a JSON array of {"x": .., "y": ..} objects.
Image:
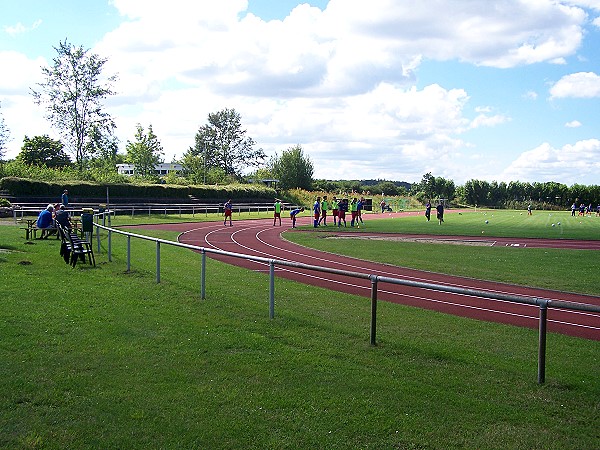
[
  {"x": 324, "y": 207},
  {"x": 353, "y": 211},
  {"x": 228, "y": 207},
  {"x": 277, "y": 213},
  {"x": 440, "y": 212},
  {"x": 573, "y": 209},
  {"x": 343, "y": 207},
  {"x": 316, "y": 212},
  {"x": 428, "y": 210},
  {"x": 359, "y": 208},
  {"x": 334, "y": 210},
  {"x": 293, "y": 214},
  {"x": 64, "y": 198}
]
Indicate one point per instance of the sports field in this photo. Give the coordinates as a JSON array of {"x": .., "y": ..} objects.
[{"x": 102, "y": 358}]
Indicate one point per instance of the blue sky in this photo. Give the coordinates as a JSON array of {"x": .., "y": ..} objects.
[{"x": 499, "y": 90}]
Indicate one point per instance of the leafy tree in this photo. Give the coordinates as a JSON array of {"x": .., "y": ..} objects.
[
  {"x": 431, "y": 187},
  {"x": 103, "y": 146},
  {"x": 293, "y": 169},
  {"x": 145, "y": 152},
  {"x": 4, "y": 135},
  {"x": 222, "y": 143},
  {"x": 72, "y": 94},
  {"x": 43, "y": 151}
]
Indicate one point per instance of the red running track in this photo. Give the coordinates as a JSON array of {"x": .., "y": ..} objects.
[{"x": 261, "y": 238}]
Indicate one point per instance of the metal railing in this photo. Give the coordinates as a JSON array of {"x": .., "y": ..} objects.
[
  {"x": 142, "y": 209},
  {"x": 542, "y": 303}
]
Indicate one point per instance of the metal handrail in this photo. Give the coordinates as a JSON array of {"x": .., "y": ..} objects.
[
  {"x": 156, "y": 208},
  {"x": 542, "y": 303}
]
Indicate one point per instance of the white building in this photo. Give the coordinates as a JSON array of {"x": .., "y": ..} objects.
[{"x": 160, "y": 169}]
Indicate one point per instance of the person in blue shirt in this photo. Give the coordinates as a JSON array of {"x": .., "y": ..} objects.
[
  {"x": 64, "y": 199},
  {"x": 293, "y": 214},
  {"x": 317, "y": 211},
  {"x": 45, "y": 221},
  {"x": 228, "y": 207}
]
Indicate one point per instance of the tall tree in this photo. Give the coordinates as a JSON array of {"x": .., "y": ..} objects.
[
  {"x": 293, "y": 169},
  {"x": 72, "y": 93},
  {"x": 43, "y": 150},
  {"x": 4, "y": 135},
  {"x": 145, "y": 152},
  {"x": 222, "y": 143}
]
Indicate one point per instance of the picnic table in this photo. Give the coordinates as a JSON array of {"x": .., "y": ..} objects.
[{"x": 30, "y": 229}]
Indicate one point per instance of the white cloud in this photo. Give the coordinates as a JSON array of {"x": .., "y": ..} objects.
[
  {"x": 19, "y": 28},
  {"x": 573, "y": 124},
  {"x": 530, "y": 95},
  {"x": 577, "y": 85},
  {"x": 592, "y": 4},
  {"x": 568, "y": 164}
]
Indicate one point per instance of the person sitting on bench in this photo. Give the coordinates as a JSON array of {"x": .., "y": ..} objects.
[
  {"x": 62, "y": 217},
  {"x": 45, "y": 221}
]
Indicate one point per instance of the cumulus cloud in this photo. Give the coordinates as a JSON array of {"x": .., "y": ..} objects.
[
  {"x": 347, "y": 49},
  {"x": 577, "y": 85},
  {"x": 568, "y": 164},
  {"x": 573, "y": 124}
]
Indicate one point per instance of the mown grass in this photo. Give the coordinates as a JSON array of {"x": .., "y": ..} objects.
[
  {"x": 101, "y": 358},
  {"x": 501, "y": 223},
  {"x": 565, "y": 270}
]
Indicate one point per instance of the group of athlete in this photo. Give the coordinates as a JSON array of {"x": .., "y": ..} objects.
[
  {"x": 321, "y": 208},
  {"x": 338, "y": 209}
]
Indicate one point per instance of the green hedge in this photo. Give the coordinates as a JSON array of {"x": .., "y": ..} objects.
[{"x": 19, "y": 187}]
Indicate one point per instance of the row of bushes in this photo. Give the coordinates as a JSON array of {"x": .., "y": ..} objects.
[{"x": 22, "y": 187}]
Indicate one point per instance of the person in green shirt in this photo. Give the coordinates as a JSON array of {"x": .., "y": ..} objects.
[
  {"x": 354, "y": 211},
  {"x": 277, "y": 214},
  {"x": 324, "y": 207},
  {"x": 334, "y": 210}
]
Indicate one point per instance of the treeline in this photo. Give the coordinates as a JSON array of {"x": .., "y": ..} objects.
[
  {"x": 390, "y": 188},
  {"x": 516, "y": 194}
]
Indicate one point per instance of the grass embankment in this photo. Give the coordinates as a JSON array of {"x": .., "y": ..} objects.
[
  {"x": 100, "y": 358},
  {"x": 565, "y": 270}
]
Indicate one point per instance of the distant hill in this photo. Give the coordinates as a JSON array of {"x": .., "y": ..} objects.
[{"x": 403, "y": 184}]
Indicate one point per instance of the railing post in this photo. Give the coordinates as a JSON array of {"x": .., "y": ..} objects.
[
  {"x": 128, "y": 253},
  {"x": 541, "y": 379},
  {"x": 374, "y": 279},
  {"x": 271, "y": 289},
  {"x": 109, "y": 246},
  {"x": 98, "y": 237},
  {"x": 157, "y": 262},
  {"x": 203, "y": 275}
]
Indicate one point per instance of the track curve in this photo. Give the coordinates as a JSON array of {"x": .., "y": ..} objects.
[{"x": 261, "y": 238}]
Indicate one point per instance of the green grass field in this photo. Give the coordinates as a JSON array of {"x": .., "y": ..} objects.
[
  {"x": 102, "y": 358},
  {"x": 564, "y": 270},
  {"x": 501, "y": 223}
]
